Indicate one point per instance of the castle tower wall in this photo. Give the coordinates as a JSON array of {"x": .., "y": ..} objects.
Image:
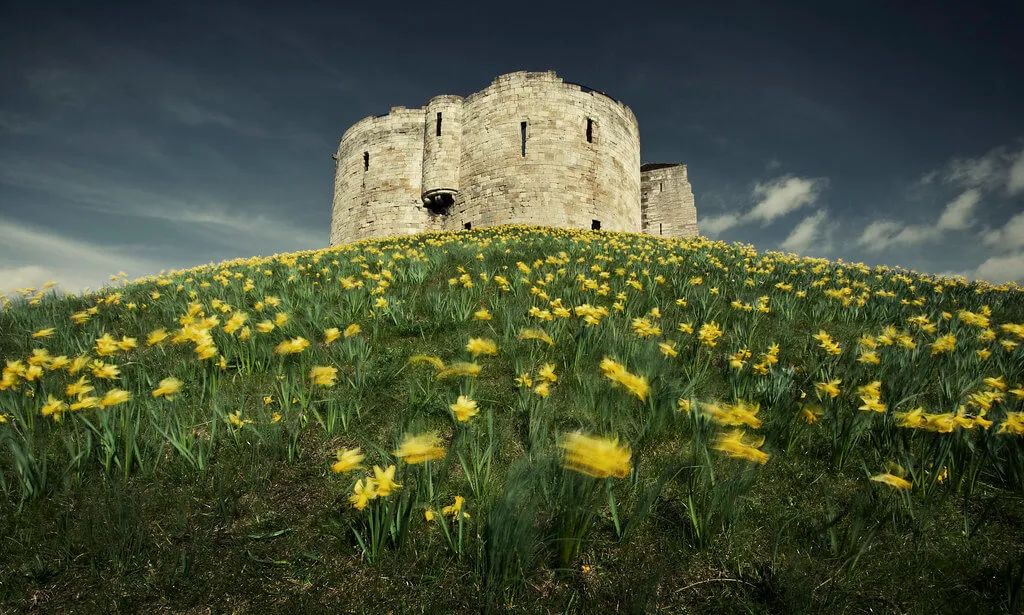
[
  {"x": 561, "y": 179},
  {"x": 442, "y": 148},
  {"x": 377, "y": 182},
  {"x": 666, "y": 201}
]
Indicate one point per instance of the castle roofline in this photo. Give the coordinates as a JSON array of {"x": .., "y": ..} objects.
[{"x": 652, "y": 166}]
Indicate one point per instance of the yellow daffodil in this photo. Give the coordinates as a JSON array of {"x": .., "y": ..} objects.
[
  {"x": 479, "y": 346},
  {"x": 384, "y": 480},
  {"x": 324, "y": 376},
  {"x": 347, "y": 460},
  {"x": 292, "y": 346},
  {"x": 168, "y": 388},
  {"x": 620, "y": 376},
  {"x": 420, "y": 448},
  {"x": 595, "y": 456},
  {"x": 464, "y": 409},
  {"x": 735, "y": 444}
]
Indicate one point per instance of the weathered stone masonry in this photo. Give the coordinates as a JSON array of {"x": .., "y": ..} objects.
[{"x": 528, "y": 149}]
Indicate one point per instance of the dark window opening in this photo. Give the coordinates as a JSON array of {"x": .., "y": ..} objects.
[
  {"x": 468, "y": 226},
  {"x": 660, "y": 186},
  {"x": 366, "y": 161},
  {"x": 590, "y": 130},
  {"x": 439, "y": 123},
  {"x": 659, "y": 229},
  {"x": 522, "y": 137},
  {"x": 439, "y": 203},
  {"x": 595, "y": 225}
]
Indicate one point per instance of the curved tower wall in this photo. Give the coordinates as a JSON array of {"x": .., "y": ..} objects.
[
  {"x": 442, "y": 139},
  {"x": 377, "y": 178},
  {"x": 562, "y": 180}
]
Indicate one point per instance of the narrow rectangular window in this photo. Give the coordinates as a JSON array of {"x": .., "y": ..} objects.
[
  {"x": 522, "y": 137},
  {"x": 660, "y": 186},
  {"x": 590, "y": 130},
  {"x": 659, "y": 229},
  {"x": 366, "y": 161},
  {"x": 439, "y": 123}
]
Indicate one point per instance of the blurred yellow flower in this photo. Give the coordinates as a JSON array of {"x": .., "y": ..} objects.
[
  {"x": 156, "y": 336},
  {"x": 735, "y": 444},
  {"x": 619, "y": 375},
  {"x": 547, "y": 373},
  {"x": 292, "y": 346},
  {"x": 169, "y": 387},
  {"x": 896, "y": 482},
  {"x": 53, "y": 407},
  {"x": 331, "y": 335},
  {"x": 347, "y": 459},
  {"x": 420, "y": 448},
  {"x": 324, "y": 376},
  {"x": 114, "y": 397},
  {"x": 536, "y": 334},
  {"x": 829, "y": 388},
  {"x": 464, "y": 409},
  {"x": 479, "y": 346},
  {"x": 595, "y": 456},
  {"x": 459, "y": 368}
]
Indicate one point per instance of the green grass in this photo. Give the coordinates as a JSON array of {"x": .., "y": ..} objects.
[{"x": 100, "y": 512}]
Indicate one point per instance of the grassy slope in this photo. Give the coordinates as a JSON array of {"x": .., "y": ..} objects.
[{"x": 258, "y": 530}]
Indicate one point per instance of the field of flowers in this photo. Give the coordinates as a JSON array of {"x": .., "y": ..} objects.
[{"x": 515, "y": 419}]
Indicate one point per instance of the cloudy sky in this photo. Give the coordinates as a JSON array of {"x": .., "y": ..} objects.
[{"x": 143, "y": 136}]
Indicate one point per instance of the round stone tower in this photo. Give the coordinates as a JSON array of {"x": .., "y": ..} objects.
[
  {"x": 442, "y": 139},
  {"x": 528, "y": 149}
]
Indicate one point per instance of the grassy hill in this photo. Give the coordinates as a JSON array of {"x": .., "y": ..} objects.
[{"x": 515, "y": 419}]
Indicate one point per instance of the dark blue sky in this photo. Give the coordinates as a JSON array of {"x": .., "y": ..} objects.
[{"x": 145, "y": 136}]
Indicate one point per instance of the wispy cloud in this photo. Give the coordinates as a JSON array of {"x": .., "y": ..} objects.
[
  {"x": 1009, "y": 237},
  {"x": 1005, "y": 268},
  {"x": 40, "y": 255},
  {"x": 806, "y": 233},
  {"x": 997, "y": 173},
  {"x": 774, "y": 199},
  {"x": 205, "y": 216},
  {"x": 783, "y": 195}
]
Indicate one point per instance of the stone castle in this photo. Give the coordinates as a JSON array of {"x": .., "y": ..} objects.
[{"x": 528, "y": 149}]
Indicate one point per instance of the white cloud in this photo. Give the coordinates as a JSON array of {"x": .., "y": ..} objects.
[
  {"x": 1015, "y": 175},
  {"x": 882, "y": 234},
  {"x": 1006, "y": 268},
  {"x": 999, "y": 168},
  {"x": 718, "y": 224},
  {"x": 774, "y": 199},
  {"x": 783, "y": 195},
  {"x": 32, "y": 276},
  {"x": 805, "y": 233},
  {"x": 957, "y": 215},
  {"x": 879, "y": 233},
  {"x": 72, "y": 263},
  {"x": 1010, "y": 237}
]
